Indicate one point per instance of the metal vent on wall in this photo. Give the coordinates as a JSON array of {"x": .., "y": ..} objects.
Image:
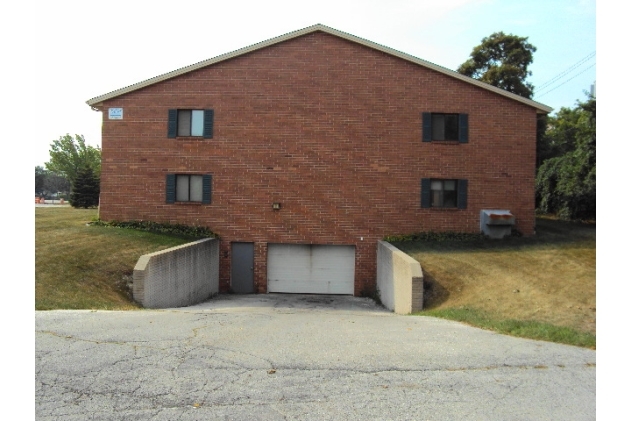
[{"x": 496, "y": 223}]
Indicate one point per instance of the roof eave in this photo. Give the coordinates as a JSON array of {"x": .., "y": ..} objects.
[{"x": 97, "y": 101}]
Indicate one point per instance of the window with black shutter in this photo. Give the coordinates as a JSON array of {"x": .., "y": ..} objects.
[
  {"x": 443, "y": 193},
  {"x": 189, "y": 188},
  {"x": 190, "y": 123},
  {"x": 444, "y": 126}
]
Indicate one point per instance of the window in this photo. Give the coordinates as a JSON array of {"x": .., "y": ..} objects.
[
  {"x": 191, "y": 123},
  {"x": 443, "y": 193},
  {"x": 442, "y": 126},
  {"x": 189, "y": 188}
]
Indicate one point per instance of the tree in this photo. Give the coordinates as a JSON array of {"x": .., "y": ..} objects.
[
  {"x": 566, "y": 180},
  {"x": 48, "y": 183},
  {"x": 40, "y": 179},
  {"x": 85, "y": 189},
  {"x": 56, "y": 183},
  {"x": 68, "y": 155},
  {"x": 502, "y": 60}
]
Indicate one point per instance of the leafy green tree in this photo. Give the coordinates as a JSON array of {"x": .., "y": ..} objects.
[
  {"x": 566, "y": 180},
  {"x": 502, "y": 60},
  {"x": 48, "y": 183},
  {"x": 543, "y": 148},
  {"x": 56, "y": 183},
  {"x": 68, "y": 155},
  {"x": 85, "y": 189},
  {"x": 40, "y": 178}
]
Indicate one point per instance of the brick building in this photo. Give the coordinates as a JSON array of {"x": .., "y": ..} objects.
[{"x": 303, "y": 150}]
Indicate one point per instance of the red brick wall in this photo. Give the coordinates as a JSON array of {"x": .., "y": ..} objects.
[{"x": 331, "y": 130}]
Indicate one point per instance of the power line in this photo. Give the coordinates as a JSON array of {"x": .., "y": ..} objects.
[
  {"x": 578, "y": 74},
  {"x": 568, "y": 70}
]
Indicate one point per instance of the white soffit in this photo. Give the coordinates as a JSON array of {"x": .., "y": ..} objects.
[{"x": 541, "y": 108}]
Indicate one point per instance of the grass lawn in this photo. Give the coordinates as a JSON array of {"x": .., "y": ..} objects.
[
  {"x": 87, "y": 267},
  {"x": 543, "y": 287}
]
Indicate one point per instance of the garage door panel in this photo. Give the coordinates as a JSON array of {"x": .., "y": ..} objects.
[
  {"x": 311, "y": 269},
  {"x": 334, "y": 263},
  {"x": 308, "y": 287}
]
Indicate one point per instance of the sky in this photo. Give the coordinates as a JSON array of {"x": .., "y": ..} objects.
[{"x": 79, "y": 50}]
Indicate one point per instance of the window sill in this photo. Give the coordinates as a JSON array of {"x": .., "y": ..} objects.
[{"x": 445, "y": 142}]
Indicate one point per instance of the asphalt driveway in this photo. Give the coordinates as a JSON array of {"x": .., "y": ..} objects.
[{"x": 285, "y": 357}]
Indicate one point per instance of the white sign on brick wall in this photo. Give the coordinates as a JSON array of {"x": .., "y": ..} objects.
[{"x": 115, "y": 113}]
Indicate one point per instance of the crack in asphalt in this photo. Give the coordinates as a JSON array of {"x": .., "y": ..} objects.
[
  {"x": 272, "y": 366},
  {"x": 195, "y": 363}
]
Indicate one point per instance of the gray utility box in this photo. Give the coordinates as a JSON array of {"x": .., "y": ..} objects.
[{"x": 496, "y": 223}]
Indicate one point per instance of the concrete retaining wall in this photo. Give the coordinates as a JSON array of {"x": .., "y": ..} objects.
[
  {"x": 399, "y": 279},
  {"x": 178, "y": 277}
]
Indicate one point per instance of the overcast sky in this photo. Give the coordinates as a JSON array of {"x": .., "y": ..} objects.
[{"x": 79, "y": 50}]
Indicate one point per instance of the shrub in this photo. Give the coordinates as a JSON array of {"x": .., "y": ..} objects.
[
  {"x": 164, "y": 228},
  {"x": 86, "y": 189}
]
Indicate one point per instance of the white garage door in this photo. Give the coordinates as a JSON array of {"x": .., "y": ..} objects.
[{"x": 311, "y": 269}]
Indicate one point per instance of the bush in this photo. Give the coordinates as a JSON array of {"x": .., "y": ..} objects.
[
  {"x": 434, "y": 237},
  {"x": 164, "y": 228},
  {"x": 86, "y": 189}
]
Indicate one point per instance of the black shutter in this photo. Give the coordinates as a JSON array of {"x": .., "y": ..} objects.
[
  {"x": 170, "y": 188},
  {"x": 209, "y": 116},
  {"x": 462, "y": 194},
  {"x": 463, "y": 128},
  {"x": 426, "y": 193},
  {"x": 172, "y": 130},
  {"x": 207, "y": 181},
  {"x": 427, "y": 127}
]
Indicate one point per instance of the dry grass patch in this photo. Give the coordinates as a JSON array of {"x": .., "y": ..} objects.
[
  {"x": 87, "y": 267},
  {"x": 549, "y": 278}
]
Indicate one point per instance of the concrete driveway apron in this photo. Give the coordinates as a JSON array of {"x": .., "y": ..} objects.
[{"x": 302, "y": 357}]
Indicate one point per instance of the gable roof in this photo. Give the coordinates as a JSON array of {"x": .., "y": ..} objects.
[{"x": 541, "y": 108}]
